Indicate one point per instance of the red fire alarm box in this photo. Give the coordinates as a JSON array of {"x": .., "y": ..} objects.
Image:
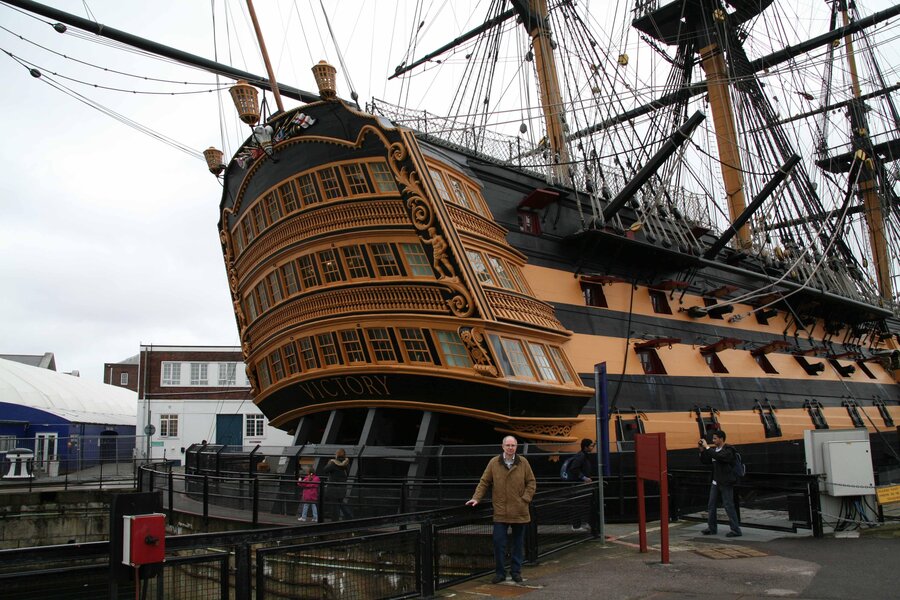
[{"x": 144, "y": 539}]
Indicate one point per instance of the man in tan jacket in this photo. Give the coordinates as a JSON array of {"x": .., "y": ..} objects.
[{"x": 513, "y": 485}]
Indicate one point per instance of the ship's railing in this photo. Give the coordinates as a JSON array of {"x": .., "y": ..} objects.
[{"x": 397, "y": 556}]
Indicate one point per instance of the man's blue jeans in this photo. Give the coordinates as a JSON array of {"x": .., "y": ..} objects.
[
  {"x": 501, "y": 537},
  {"x": 727, "y": 494}
]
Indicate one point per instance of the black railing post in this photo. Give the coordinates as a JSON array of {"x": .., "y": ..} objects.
[
  {"x": 403, "y": 497},
  {"x": 531, "y": 537},
  {"x": 815, "y": 506},
  {"x": 224, "y": 578},
  {"x": 255, "y": 501},
  {"x": 242, "y": 583},
  {"x": 206, "y": 501},
  {"x": 427, "y": 552},
  {"x": 171, "y": 482},
  {"x": 101, "y": 473},
  {"x": 152, "y": 473}
]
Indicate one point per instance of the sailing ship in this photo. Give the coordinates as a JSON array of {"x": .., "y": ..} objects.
[{"x": 661, "y": 259}]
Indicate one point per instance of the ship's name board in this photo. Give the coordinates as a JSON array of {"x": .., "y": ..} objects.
[{"x": 364, "y": 386}]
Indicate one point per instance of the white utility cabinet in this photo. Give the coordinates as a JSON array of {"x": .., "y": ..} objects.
[{"x": 848, "y": 468}]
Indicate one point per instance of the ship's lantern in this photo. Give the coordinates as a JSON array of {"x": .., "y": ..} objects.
[
  {"x": 246, "y": 101},
  {"x": 214, "y": 160},
  {"x": 326, "y": 79}
]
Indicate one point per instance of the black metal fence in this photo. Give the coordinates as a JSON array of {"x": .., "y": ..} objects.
[{"x": 399, "y": 556}]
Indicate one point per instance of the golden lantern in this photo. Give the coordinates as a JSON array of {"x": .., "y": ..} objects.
[
  {"x": 214, "y": 160},
  {"x": 326, "y": 77},
  {"x": 246, "y": 101}
]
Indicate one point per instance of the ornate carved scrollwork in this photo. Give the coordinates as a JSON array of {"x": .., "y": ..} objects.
[
  {"x": 473, "y": 339},
  {"x": 560, "y": 430}
]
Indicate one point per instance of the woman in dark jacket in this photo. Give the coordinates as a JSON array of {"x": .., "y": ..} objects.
[{"x": 337, "y": 470}]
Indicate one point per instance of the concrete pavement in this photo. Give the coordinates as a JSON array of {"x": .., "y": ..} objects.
[{"x": 761, "y": 564}]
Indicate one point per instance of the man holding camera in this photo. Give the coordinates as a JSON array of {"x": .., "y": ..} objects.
[{"x": 721, "y": 456}]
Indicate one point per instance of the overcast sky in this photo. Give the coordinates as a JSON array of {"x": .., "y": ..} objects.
[{"x": 108, "y": 236}]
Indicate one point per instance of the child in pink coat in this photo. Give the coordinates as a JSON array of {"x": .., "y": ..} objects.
[{"x": 310, "y": 495}]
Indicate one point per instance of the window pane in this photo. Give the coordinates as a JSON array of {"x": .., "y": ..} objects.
[
  {"x": 328, "y": 349},
  {"x": 123, "y": 379},
  {"x": 439, "y": 184},
  {"x": 227, "y": 374},
  {"x": 275, "y": 288},
  {"x": 262, "y": 296},
  {"x": 290, "y": 358},
  {"x": 289, "y": 273},
  {"x": 250, "y": 305},
  {"x": 328, "y": 179},
  {"x": 259, "y": 219},
  {"x": 380, "y": 340},
  {"x": 382, "y": 177},
  {"x": 353, "y": 349},
  {"x": 277, "y": 366},
  {"x": 417, "y": 260},
  {"x": 502, "y": 276},
  {"x": 455, "y": 353},
  {"x": 171, "y": 373},
  {"x": 308, "y": 353},
  {"x": 247, "y": 228},
  {"x": 517, "y": 360},
  {"x": 168, "y": 425},
  {"x": 288, "y": 197},
  {"x": 262, "y": 371},
  {"x": 560, "y": 363},
  {"x": 255, "y": 426},
  {"x": 237, "y": 236},
  {"x": 272, "y": 207},
  {"x": 356, "y": 179},
  {"x": 416, "y": 348},
  {"x": 545, "y": 371},
  {"x": 198, "y": 374},
  {"x": 459, "y": 193},
  {"x": 309, "y": 194},
  {"x": 385, "y": 261},
  {"x": 308, "y": 273},
  {"x": 331, "y": 271},
  {"x": 355, "y": 261},
  {"x": 480, "y": 269}
]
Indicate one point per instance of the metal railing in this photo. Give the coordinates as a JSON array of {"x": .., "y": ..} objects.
[{"x": 406, "y": 555}]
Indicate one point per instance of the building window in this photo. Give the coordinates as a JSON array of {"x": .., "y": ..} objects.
[
  {"x": 227, "y": 374},
  {"x": 503, "y": 277},
  {"x": 198, "y": 374},
  {"x": 484, "y": 276},
  {"x": 288, "y": 197},
  {"x": 308, "y": 192},
  {"x": 417, "y": 260},
  {"x": 459, "y": 194},
  {"x": 327, "y": 347},
  {"x": 385, "y": 260},
  {"x": 382, "y": 346},
  {"x": 255, "y": 426},
  {"x": 455, "y": 353},
  {"x": 272, "y": 207},
  {"x": 289, "y": 273},
  {"x": 515, "y": 352},
  {"x": 331, "y": 267},
  {"x": 7, "y": 442},
  {"x": 171, "y": 373},
  {"x": 353, "y": 349},
  {"x": 650, "y": 362},
  {"x": 529, "y": 222},
  {"x": 168, "y": 425},
  {"x": 439, "y": 184},
  {"x": 381, "y": 175},
  {"x": 714, "y": 363},
  {"x": 355, "y": 260},
  {"x": 659, "y": 302},
  {"x": 275, "y": 287},
  {"x": 560, "y": 364},
  {"x": 545, "y": 371},
  {"x": 593, "y": 294},
  {"x": 308, "y": 273},
  {"x": 328, "y": 179},
  {"x": 290, "y": 358},
  {"x": 123, "y": 378},
  {"x": 356, "y": 179},
  {"x": 416, "y": 347},
  {"x": 308, "y": 353}
]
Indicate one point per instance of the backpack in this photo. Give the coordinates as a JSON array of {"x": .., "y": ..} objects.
[
  {"x": 564, "y": 469},
  {"x": 738, "y": 468}
]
